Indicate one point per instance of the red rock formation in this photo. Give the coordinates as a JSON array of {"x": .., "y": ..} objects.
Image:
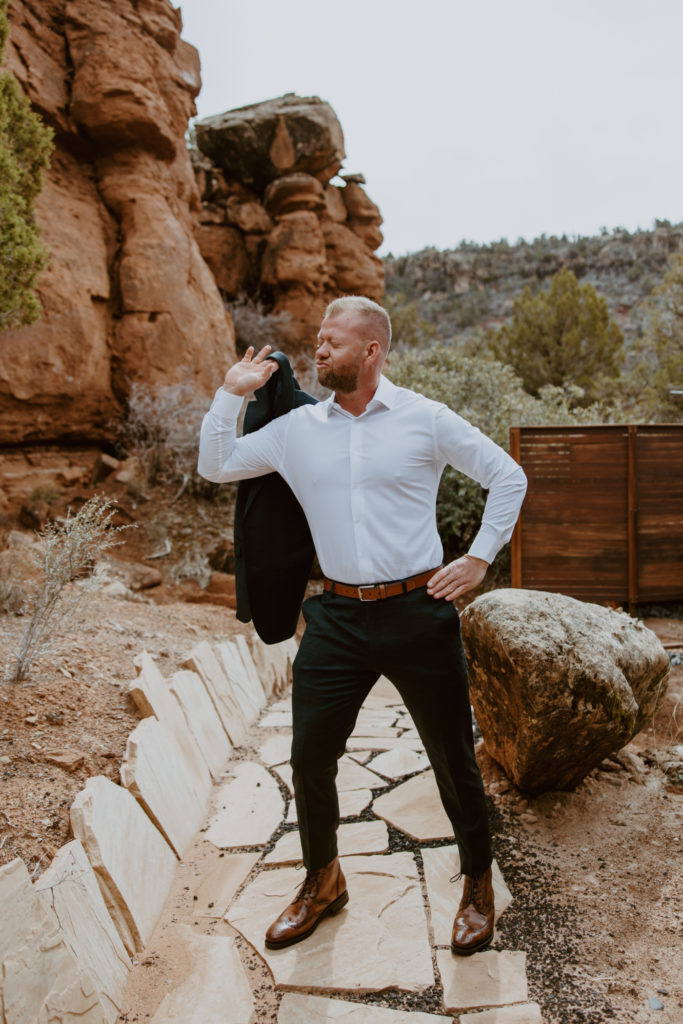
[
  {"x": 265, "y": 170},
  {"x": 127, "y": 295}
]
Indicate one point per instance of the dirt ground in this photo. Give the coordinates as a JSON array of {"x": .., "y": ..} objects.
[{"x": 596, "y": 873}]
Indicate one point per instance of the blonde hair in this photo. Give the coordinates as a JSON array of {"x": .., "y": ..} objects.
[{"x": 377, "y": 319}]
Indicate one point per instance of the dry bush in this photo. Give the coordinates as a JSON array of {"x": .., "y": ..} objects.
[
  {"x": 254, "y": 326},
  {"x": 162, "y": 429},
  {"x": 64, "y": 552}
]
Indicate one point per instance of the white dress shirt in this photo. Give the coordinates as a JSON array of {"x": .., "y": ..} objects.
[{"x": 368, "y": 483}]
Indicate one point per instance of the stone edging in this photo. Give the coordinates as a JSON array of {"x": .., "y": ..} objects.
[{"x": 66, "y": 942}]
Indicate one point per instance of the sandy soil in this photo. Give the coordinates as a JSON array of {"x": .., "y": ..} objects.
[{"x": 596, "y": 873}]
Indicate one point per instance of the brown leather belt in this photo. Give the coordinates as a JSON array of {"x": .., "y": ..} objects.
[{"x": 378, "y": 591}]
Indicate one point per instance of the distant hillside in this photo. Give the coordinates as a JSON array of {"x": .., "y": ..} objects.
[{"x": 475, "y": 285}]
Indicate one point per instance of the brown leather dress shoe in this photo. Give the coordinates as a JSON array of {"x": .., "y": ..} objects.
[
  {"x": 322, "y": 894},
  {"x": 473, "y": 925}
]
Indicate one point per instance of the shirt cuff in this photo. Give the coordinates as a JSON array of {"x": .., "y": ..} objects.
[
  {"x": 227, "y": 406},
  {"x": 485, "y": 545}
]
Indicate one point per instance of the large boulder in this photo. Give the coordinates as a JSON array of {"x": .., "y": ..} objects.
[
  {"x": 258, "y": 143},
  {"x": 558, "y": 684}
]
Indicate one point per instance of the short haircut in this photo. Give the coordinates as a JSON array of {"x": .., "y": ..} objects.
[{"x": 377, "y": 318}]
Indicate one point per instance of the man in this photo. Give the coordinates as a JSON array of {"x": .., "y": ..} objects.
[{"x": 365, "y": 465}]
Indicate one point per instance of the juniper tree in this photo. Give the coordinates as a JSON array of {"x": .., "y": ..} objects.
[
  {"x": 563, "y": 335},
  {"x": 25, "y": 148}
]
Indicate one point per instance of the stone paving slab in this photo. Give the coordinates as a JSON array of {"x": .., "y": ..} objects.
[
  {"x": 214, "y": 988},
  {"x": 70, "y": 888},
  {"x": 217, "y": 889},
  {"x": 173, "y": 792},
  {"x": 379, "y": 940},
  {"x": 484, "y": 979},
  {"x": 440, "y": 865},
  {"x": 373, "y": 729},
  {"x": 523, "y": 1013},
  {"x": 247, "y": 809},
  {"x": 355, "y": 838},
  {"x": 402, "y": 742},
  {"x": 415, "y": 808},
  {"x": 41, "y": 980},
  {"x": 133, "y": 862},
  {"x": 352, "y": 802},
  {"x": 394, "y": 764},
  {"x": 276, "y": 720},
  {"x": 276, "y": 750},
  {"x": 350, "y": 776},
  {"x": 204, "y": 662},
  {"x": 300, "y": 1009},
  {"x": 202, "y": 720}
]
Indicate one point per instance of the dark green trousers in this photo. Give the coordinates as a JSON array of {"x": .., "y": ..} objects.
[{"x": 415, "y": 641}]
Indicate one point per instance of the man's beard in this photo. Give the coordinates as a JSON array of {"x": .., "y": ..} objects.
[{"x": 344, "y": 379}]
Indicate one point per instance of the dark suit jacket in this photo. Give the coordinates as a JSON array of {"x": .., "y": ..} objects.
[{"x": 273, "y": 546}]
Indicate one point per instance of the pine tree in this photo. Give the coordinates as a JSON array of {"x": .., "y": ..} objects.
[
  {"x": 25, "y": 148},
  {"x": 561, "y": 336}
]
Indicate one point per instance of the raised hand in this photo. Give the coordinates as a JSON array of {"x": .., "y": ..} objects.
[{"x": 251, "y": 373}]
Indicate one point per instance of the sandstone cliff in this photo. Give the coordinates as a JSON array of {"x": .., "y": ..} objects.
[
  {"x": 272, "y": 225},
  {"x": 127, "y": 295}
]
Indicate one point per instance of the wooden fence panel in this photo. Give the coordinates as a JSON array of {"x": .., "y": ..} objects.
[{"x": 603, "y": 515}]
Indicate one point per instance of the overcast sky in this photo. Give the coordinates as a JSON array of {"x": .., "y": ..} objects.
[{"x": 476, "y": 119}]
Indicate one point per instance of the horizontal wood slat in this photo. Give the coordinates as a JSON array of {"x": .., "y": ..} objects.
[{"x": 603, "y": 515}]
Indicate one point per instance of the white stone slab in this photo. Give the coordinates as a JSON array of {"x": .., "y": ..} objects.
[
  {"x": 213, "y": 986},
  {"x": 374, "y": 729},
  {"x": 133, "y": 862},
  {"x": 216, "y": 888},
  {"x": 40, "y": 978},
  {"x": 204, "y": 662},
  {"x": 394, "y": 764},
  {"x": 175, "y": 796},
  {"x": 246, "y": 689},
  {"x": 296, "y": 1008},
  {"x": 377, "y": 716},
  {"x": 245, "y": 654},
  {"x": 202, "y": 720},
  {"x": 363, "y": 837},
  {"x": 284, "y": 772},
  {"x": 277, "y": 720},
  {"x": 379, "y": 940},
  {"x": 384, "y": 690},
  {"x": 352, "y": 802},
  {"x": 384, "y": 743},
  {"x": 415, "y": 808},
  {"x": 153, "y": 696},
  {"x": 70, "y": 888},
  {"x": 284, "y": 704},
  {"x": 361, "y": 756},
  {"x": 276, "y": 750},
  {"x": 247, "y": 809},
  {"x": 271, "y": 664},
  {"x": 523, "y": 1013},
  {"x": 352, "y": 775},
  {"x": 485, "y": 979},
  {"x": 441, "y": 864}
]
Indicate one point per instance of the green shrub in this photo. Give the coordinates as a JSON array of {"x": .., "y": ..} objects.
[{"x": 25, "y": 148}]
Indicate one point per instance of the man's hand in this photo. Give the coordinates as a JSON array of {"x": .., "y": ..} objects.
[
  {"x": 251, "y": 373},
  {"x": 457, "y": 577}
]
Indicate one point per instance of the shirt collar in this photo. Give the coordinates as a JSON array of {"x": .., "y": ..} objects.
[{"x": 386, "y": 395}]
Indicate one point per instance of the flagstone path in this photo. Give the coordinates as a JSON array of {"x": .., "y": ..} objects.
[{"x": 206, "y": 961}]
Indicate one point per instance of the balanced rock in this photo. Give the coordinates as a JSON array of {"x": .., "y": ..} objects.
[
  {"x": 264, "y": 140},
  {"x": 558, "y": 684}
]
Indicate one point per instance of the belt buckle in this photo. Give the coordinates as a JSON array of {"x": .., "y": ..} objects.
[{"x": 367, "y": 586}]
